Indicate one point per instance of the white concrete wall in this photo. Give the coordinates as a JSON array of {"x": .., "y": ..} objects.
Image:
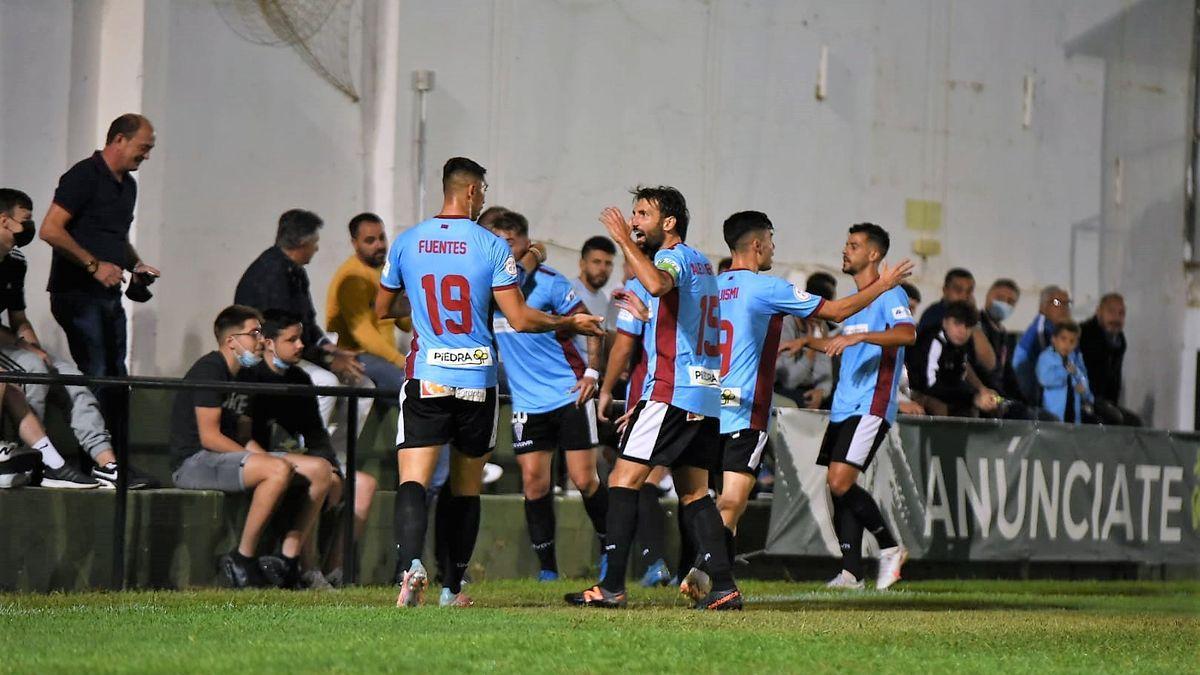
[{"x": 571, "y": 103}]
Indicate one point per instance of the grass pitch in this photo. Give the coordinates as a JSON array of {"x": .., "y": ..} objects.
[{"x": 949, "y": 626}]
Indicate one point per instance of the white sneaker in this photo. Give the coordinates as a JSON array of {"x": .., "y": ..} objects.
[
  {"x": 492, "y": 473},
  {"x": 890, "y": 561},
  {"x": 845, "y": 581}
]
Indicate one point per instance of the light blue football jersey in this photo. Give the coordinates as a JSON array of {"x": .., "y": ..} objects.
[{"x": 870, "y": 374}]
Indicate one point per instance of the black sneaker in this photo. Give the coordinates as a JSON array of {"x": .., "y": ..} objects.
[
  {"x": 722, "y": 600},
  {"x": 242, "y": 572},
  {"x": 596, "y": 596},
  {"x": 67, "y": 476},
  {"x": 107, "y": 475},
  {"x": 281, "y": 572}
]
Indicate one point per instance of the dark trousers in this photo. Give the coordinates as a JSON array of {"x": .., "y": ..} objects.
[{"x": 95, "y": 329}]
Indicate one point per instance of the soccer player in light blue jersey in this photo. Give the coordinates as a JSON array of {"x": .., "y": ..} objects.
[
  {"x": 447, "y": 272},
  {"x": 864, "y": 407},
  {"x": 753, "y": 307},
  {"x": 676, "y": 424},
  {"x": 552, "y": 386}
]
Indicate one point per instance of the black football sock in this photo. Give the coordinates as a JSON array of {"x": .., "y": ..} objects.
[
  {"x": 704, "y": 521},
  {"x": 622, "y": 521},
  {"x": 849, "y": 534},
  {"x": 651, "y": 525},
  {"x": 868, "y": 513},
  {"x": 596, "y": 506},
  {"x": 461, "y": 540},
  {"x": 687, "y": 544},
  {"x": 539, "y": 518},
  {"x": 443, "y": 525},
  {"x": 411, "y": 519},
  {"x": 730, "y": 545}
]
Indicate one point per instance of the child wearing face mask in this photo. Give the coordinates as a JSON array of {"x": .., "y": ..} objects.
[{"x": 1063, "y": 376}]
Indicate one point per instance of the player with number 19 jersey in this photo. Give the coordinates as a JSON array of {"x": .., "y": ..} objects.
[
  {"x": 449, "y": 267},
  {"x": 682, "y": 343}
]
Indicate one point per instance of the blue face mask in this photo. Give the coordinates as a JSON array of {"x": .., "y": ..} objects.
[
  {"x": 279, "y": 363},
  {"x": 247, "y": 358},
  {"x": 999, "y": 310}
]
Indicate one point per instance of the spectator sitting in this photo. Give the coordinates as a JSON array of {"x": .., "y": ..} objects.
[
  {"x": 350, "y": 306},
  {"x": 299, "y": 421},
  {"x": 998, "y": 305},
  {"x": 959, "y": 286},
  {"x": 1063, "y": 376},
  {"x": 938, "y": 370},
  {"x": 277, "y": 280},
  {"x": 1054, "y": 308},
  {"x": 209, "y": 454},
  {"x": 806, "y": 376},
  {"x": 56, "y": 472},
  {"x": 21, "y": 350},
  {"x": 1102, "y": 343}
]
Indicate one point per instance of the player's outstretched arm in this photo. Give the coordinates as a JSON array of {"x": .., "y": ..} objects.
[
  {"x": 525, "y": 319},
  {"x": 657, "y": 282},
  {"x": 901, "y": 335},
  {"x": 391, "y": 304},
  {"x": 843, "y": 308},
  {"x": 618, "y": 360}
]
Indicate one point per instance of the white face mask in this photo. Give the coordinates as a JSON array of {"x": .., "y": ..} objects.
[{"x": 999, "y": 310}]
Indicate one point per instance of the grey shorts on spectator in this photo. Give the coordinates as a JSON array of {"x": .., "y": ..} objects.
[{"x": 208, "y": 470}]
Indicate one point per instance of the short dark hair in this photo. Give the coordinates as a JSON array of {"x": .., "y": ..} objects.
[
  {"x": 510, "y": 221},
  {"x": 1066, "y": 327},
  {"x": 1007, "y": 283},
  {"x": 126, "y": 125},
  {"x": 875, "y": 234},
  {"x": 232, "y": 318},
  {"x": 821, "y": 284},
  {"x": 911, "y": 291},
  {"x": 274, "y": 321},
  {"x": 296, "y": 226},
  {"x": 12, "y": 198},
  {"x": 598, "y": 243},
  {"x": 670, "y": 203},
  {"x": 745, "y": 223},
  {"x": 490, "y": 214},
  {"x": 957, "y": 273},
  {"x": 724, "y": 264},
  {"x": 461, "y": 166},
  {"x": 365, "y": 217},
  {"x": 962, "y": 312}
]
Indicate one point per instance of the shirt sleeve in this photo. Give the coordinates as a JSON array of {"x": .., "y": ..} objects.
[
  {"x": 75, "y": 188},
  {"x": 207, "y": 398},
  {"x": 391, "y": 267},
  {"x": 895, "y": 307},
  {"x": 504, "y": 265},
  {"x": 672, "y": 262},
  {"x": 626, "y": 322},
  {"x": 788, "y": 298},
  {"x": 566, "y": 299}
]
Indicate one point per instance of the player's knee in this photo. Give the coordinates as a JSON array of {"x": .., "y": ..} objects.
[
  {"x": 365, "y": 483},
  {"x": 838, "y": 484},
  {"x": 585, "y": 480},
  {"x": 536, "y": 486}
]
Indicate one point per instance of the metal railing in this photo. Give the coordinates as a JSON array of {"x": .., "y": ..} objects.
[{"x": 121, "y": 445}]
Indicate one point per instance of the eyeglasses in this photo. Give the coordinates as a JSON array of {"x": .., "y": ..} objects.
[
  {"x": 1060, "y": 303},
  {"x": 257, "y": 334}
]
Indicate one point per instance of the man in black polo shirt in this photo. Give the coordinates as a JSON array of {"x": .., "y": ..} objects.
[
  {"x": 88, "y": 226},
  {"x": 21, "y": 350},
  {"x": 294, "y": 423}
]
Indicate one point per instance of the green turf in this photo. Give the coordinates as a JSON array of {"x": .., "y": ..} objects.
[{"x": 520, "y": 626}]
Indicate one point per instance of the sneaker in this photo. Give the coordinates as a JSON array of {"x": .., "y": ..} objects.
[
  {"x": 845, "y": 581},
  {"x": 657, "y": 574},
  {"x": 492, "y": 473},
  {"x": 546, "y": 575},
  {"x": 281, "y": 572},
  {"x": 67, "y": 476},
  {"x": 107, "y": 475},
  {"x": 596, "y": 596},
  {"x": 412, "y": 586},
  {"x": 696, "y": 585},
  {"x": 890, "y": 562},
  {"x": 313, "y": 580},
  {"x": 459, "y": 599},
  {"x": 336, "y": 578},
  {"x": 720, "y": 601},
  {"x": 240, "y": 572}
]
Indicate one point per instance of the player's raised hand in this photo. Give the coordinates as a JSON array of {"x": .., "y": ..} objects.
[
  {"x": 614, "y": 221},
  {"x": 603, "y": 404},
  {"x": 585, "y": 324},
  {"x": 836, "y": 345},
  {"x": 894, "y": 276},
  {"x": 631, "y": 303},
  {"x": 586, "y": 386}
]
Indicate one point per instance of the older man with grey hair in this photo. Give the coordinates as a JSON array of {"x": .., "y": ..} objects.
[{"x": 1054, "y": 308}]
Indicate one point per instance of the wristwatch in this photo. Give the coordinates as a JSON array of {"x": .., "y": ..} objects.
[{"x": 92, "y": 265}]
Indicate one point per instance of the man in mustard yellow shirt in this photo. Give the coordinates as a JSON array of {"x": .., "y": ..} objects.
[{"x": 350, "y": 305}]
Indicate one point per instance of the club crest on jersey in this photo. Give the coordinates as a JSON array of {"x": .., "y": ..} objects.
[
  {"x": 510, "y": 266},
  {"x": 465, "y": 357},
  {"x": 387, "y": 267},
  {"x": 801, "y": 294},
  {"x": 731, "y": 396},
  {"x": 901, "y": 312},
  {"x": 704, "y": 377},
  {"x": 518, "y": 426}
]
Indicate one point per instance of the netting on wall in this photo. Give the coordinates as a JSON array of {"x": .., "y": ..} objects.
[{"x": 318, "y": 30}]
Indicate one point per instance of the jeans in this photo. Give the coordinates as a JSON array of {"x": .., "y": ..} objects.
[
  {"x": 95, "y": 330},
  {"x": 385, "y": 375}
]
